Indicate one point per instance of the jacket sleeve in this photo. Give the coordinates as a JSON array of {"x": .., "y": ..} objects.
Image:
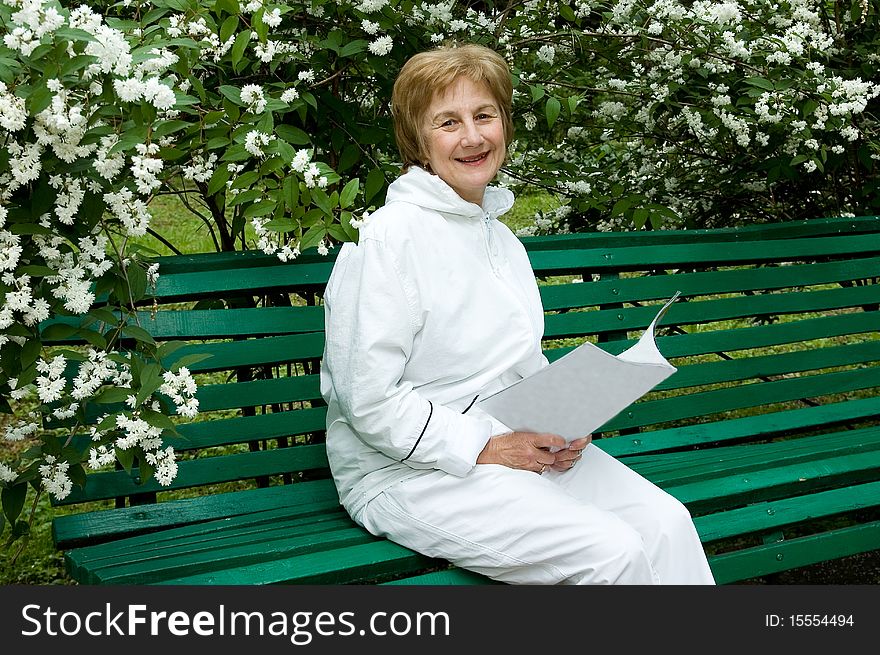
[{"x": 371, "y": 322}]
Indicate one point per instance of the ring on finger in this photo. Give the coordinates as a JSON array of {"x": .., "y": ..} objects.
[{"x": 543, "y": 468}]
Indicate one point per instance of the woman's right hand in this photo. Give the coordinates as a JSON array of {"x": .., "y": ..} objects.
[{"x": 529, "y": 451}]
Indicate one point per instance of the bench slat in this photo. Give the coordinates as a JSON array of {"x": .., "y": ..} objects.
[{"x": 99, "y": 526}]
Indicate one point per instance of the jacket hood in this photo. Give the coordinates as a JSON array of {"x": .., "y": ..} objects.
[{"x": 419, "y": 187}]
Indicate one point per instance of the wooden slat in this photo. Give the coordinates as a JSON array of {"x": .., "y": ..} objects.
[
  {"x": 775, "y": 514},
  {"x": 351, "y": 564},
  {"x": 795, "y": 553},
  {"x": 99, "y": 526},
  {"x": 706, "y": 403},
  {"x": 661, "y": 287},
  {"x": 259, "y": 392},
  {"x": 700, "y": 253},
  {"x": 761, "y": 426},
  {"x": 205, "y": 471},
  {"x": 578, "y": 323},
  {"x": 251, "y": 352}
]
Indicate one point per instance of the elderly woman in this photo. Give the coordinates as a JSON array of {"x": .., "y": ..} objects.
[{"x": 436, "y": 305}]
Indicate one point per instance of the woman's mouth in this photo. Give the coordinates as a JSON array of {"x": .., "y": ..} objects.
[{"x": 475, "y": 159}]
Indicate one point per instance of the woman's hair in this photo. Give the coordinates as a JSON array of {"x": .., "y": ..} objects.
[{"x": 431, "y": 72}]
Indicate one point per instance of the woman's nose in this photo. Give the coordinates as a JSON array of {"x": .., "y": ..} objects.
[{"x": 471, "y": 135}]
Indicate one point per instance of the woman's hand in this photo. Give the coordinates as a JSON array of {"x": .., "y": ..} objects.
[
  {"x": 568, "y": 457},
  {"x": 529, "y": 451}
]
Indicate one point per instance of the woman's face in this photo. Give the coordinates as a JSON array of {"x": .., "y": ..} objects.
[{"x": 465, "y": 141}]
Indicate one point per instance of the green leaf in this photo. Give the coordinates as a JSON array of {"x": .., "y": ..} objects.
[
  {"x": 138, "y": 333},
  {"x": 228, "y": 28},
  {"x": 760, "y": 82},
  {"x": 349, "y": 193},
  {"x": 375, "y": 183},
  {"x": 169, "y": 127},
  {"x": 13, "y": 501},
  {"x": 168, "y": 348},
  {"x": 113, "y": 395},
  {"x": 104, "y": 315},
  {"x": 292, "y": 135},
  {"x": 218, "y": 180},
  {"x": 150, "y": 380},
  {"x": 126, "y": 458},
  {"x": 189, "y": 360},
  {"x": 36, "y": 271},
  {"x": 260, "y": 208},
  {"x": 537, "y": 92},
  {"x": 58, "y": 332},
  {"x": 551, "y": 110},
  {"x": 157, "y": 419},
  {"x": 322, "y": 201},
  {"x": 233, "y": 93},
  {"x": 313, "y": 236},
  {"x": 291, "y": 192},
  {"x": 238, "y": 48},
  {"x": 353, "y": 48}
]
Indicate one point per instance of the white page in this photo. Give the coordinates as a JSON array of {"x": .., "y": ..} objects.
[{"x": 581, "y": 391}]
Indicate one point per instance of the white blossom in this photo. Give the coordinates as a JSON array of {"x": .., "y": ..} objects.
[{"x": 381, "y": 46}]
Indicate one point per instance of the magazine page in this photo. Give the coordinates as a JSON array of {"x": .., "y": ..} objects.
[{"x": 581, "y": 391}]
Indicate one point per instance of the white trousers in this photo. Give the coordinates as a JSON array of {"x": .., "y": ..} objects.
[{"x": 598, "y": 523}]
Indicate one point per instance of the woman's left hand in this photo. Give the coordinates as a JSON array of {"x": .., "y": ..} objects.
[{"x": 571, "y": 455}]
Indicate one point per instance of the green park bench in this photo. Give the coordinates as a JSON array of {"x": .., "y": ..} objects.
[{"x": 769, "y": 432}]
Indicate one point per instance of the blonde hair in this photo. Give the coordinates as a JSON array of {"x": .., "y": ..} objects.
[{"x": 431, "y": 72}]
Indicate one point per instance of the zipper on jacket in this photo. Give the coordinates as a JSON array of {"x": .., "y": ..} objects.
[{"x": 491, "y": 249}]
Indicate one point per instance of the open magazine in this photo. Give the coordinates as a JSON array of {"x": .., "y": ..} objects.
[{"x": 581, "y": 391}]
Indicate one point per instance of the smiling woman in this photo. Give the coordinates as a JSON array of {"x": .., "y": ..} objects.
[{"x": 436, "y": 306}]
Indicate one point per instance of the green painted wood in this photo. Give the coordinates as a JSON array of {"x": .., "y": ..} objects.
[
  {"x": 746, "y": 338},
  {"x": 786, "y": 512},
  {"x": 198, "y": 472},
  {"x": 578, "y": 323},
  {"x": 207, "y": 532},
  {"x": 726, "y": 430},
  {"x": 760, "y": 485},
  {"x": 791, "y": 229},
  {"x": 243, "y": 429},
  {"x": 348, "y": 565},
  {"x": 795, "y": 553},
  {"x": 452, "y": 576},
  {"x": 700, "y": 253},
  {"x": 240, "y": 429},
  {"x": 246, "y": 281},
  {"x": 252, "y": 352},
  {"x": 106, "y": 524},
  {"x": 706, "y": 403},
  {"x": 190, "y": 547},
  {"x": 690, "y": 465},
  {"x": 676, "y": 470},
  {"x": 259, "y": 392},
  {"x": 661, "y": 287},
  {"x": 236, "y": 553},
  {"x": 761, "y": 366}
]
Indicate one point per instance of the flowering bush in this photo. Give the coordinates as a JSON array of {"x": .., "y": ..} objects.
[{"x": 271, "y": 119}]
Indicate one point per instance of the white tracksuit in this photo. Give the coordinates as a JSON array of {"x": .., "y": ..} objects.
[{"x": 437, "y": 304}]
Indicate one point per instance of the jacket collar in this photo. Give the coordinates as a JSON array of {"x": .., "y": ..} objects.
[{"x": 419, "y": 187}]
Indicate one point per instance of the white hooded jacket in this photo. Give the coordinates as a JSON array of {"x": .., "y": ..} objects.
[{"x": 436, "y": 305}]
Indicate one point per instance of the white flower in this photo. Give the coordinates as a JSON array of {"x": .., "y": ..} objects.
[
  {"x": 381, "y": 46},
  {"x": 273, "y": 18},
  {"x": 290, "y": 95},
  {"x": 7, "y": 474},
  {"x": 55, "y": 479},
  {"x": 255, "y": 141},
  {"x": 252, "y": 96},
  {"x": 13, "y": 113},
  {"x": 370, "y": 27},
  {"x": 546, "y": 53}
]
